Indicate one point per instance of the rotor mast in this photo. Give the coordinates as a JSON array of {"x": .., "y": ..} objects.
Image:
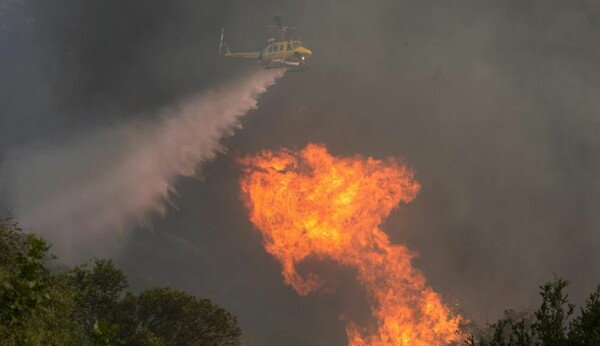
[{"x": 282, "y": 30}]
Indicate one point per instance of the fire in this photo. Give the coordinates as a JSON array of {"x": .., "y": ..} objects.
[{"x": 311, "y": 204}]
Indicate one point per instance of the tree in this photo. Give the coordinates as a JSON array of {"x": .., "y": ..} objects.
[
  {"x": 12, "y": 243},
  {"x": 551, "y": 325},
  {"x": 34, "y": 304},
  {"x": 24, "y": 289},
  {"x": 514, "y": 329},
  {"x": 99, "y": 292},
  {"x": 88, "y": 305},
  {"x": 178, "y": 318},
  {"x": 585, "y": 329}
]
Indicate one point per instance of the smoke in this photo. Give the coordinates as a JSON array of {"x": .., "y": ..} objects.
[
  {"x": 493, "y": 103},
  {"x": 94, "y": 186},
  {"x": 5, "y": 5}
]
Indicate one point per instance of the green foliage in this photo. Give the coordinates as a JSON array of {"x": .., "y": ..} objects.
[
  {"x": 143, "y": 337},
  {"x": 163, "y": 312},
  {"x": 551, "y": 318},
  {"x": 104, "y": 333},
  {"x": 12, "y": 243},
  {"x": 585, "y": 329},
  {"x": 551, "y": 325},
  {"x": 24, "y": 294},
  {"x": 58, "y": 327},
  {"x": 88, "y": 305},
  {"x": 514, "y": 329},
  {"x": 99, "y": 291}
]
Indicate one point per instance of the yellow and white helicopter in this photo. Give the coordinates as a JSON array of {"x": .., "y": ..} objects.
[{"x": 279, "y": 52}]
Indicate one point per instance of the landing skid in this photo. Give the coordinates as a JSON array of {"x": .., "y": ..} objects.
[{"x": 290, "y": 65}]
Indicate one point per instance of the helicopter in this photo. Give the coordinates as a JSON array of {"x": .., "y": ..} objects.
[{"x": 279, "y": 51}]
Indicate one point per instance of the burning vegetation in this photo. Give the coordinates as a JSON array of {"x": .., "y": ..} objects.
[{"x": 310, "y": 204}]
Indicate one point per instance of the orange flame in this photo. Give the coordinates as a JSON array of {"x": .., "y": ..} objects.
[{"x": 313, "y": 204}]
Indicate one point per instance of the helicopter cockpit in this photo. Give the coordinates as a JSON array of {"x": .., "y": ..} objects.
[{"x": 278, "y": 52}]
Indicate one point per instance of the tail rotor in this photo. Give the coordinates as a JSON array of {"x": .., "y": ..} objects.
[{"x": 222, "y": 44}]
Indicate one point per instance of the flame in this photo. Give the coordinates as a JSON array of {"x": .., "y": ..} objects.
[{"x": 311, "y": 204}]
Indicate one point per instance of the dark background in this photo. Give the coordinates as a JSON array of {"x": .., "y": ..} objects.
[{"x": 494, "y": 104}]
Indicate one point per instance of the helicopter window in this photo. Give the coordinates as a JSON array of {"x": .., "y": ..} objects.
[
  {"x": 289, "y": 46},
  {"x": 297, "y": 44},
  {"x": 271, "y": 49},
  {"x": 275, "y": 48}
]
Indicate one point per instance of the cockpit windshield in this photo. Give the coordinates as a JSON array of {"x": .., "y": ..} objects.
[{"x": 297, "y": 44}]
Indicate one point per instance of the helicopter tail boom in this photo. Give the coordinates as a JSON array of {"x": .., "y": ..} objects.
[{"x": 225, "y": 51}]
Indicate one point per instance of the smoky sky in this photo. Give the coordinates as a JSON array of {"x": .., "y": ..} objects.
[{"x": 493, "y": 104}]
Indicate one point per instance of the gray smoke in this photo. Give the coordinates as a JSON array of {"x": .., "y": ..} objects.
[
  {"x": 86, "y": 192},
  {"x": 494, "y": 103}
]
